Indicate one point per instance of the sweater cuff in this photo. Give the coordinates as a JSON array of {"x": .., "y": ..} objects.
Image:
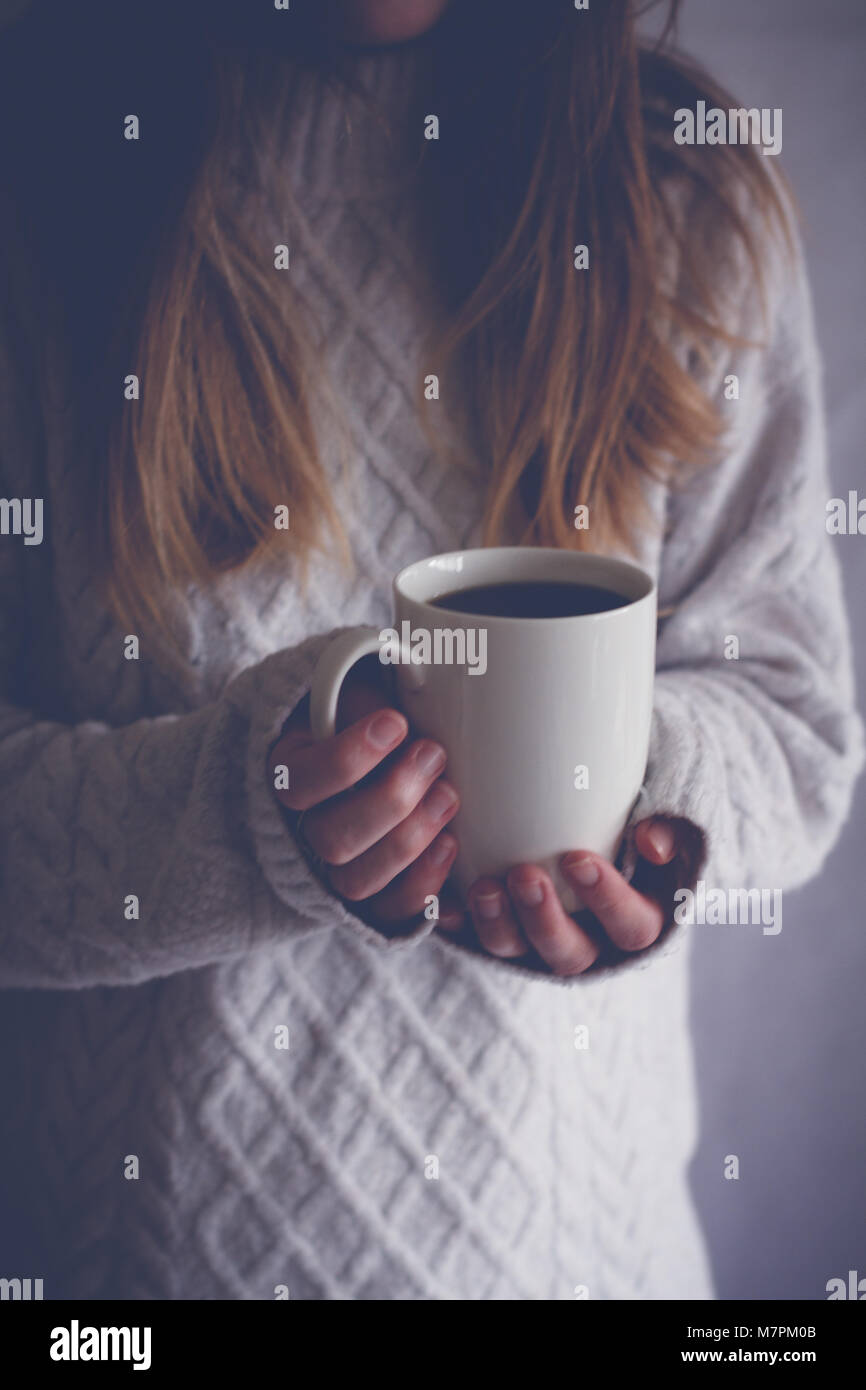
[{"x": 270, "y": 692}]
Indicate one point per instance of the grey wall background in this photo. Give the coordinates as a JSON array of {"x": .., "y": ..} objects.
[{"x": 779, "y": 1022}]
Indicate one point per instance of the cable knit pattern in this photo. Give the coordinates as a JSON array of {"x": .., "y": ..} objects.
[{"x": 308, "y": 1167}]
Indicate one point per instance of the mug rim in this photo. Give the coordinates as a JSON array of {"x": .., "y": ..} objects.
[{"x": 624, "y": 568}]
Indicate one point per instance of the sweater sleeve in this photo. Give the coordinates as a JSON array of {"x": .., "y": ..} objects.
[
  {"x": 756, "y": 742},
  {"x": 176, "y": 810}
]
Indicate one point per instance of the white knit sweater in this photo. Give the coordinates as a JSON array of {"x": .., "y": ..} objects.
[{"x": 310, "y": 1167}]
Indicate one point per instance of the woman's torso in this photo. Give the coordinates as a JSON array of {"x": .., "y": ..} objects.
[{"x": 432, "y": 1130}]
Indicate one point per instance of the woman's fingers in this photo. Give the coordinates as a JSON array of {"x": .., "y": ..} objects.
[
  {"x": 631, "y": 920},
  {"x": 495, "y": 924},
  {"x": 408, "y": 895},
  {"x": 321, "y": 769},
  {"x": 345, "y": 828},
  {"x": 530, "y": 913},
  {"x": 557, "y": 938},
  {"x": 366, "y": 874},
  {"x": 371, "y": 835}
]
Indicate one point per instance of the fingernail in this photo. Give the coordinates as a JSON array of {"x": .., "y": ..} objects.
[
  {"x": 488, "y": 905},
  {"x": 661, "y": 840},
  {"x": 385, "y": 730},
  {"x": 530, "y": 892},
  {"x": 440, "y": 798},
  {"x": 442, "y": 848},
  {"x": 430, "y": 757},
  {"x": 584, "y": 871}
]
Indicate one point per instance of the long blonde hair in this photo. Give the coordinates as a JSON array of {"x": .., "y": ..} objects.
[{"x": 566, "y": 137}]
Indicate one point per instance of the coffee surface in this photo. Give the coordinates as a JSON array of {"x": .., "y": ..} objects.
[{"x": 531, "y": 599}]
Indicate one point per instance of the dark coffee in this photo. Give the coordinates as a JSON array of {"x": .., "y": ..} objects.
[{"x": 531, "y": 599}]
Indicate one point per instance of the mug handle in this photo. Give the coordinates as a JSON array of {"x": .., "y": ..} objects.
[{"x": 332, "y": 668}]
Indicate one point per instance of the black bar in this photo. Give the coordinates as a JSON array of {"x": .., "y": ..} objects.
[{"x": 250, "y": 1337}]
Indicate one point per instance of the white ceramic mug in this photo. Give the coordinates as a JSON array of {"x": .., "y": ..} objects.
[{"x": 547, "y": 744}]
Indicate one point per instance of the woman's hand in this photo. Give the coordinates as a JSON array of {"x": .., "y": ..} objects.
[
  {"x": 373, "y": 805},
  {"x": 523, "y": 916}
]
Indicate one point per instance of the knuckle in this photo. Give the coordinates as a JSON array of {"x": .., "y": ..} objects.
[{"x": 399, "y": 796}]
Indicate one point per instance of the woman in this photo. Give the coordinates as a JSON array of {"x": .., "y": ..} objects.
[{"x": 245, "y": 1065}]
